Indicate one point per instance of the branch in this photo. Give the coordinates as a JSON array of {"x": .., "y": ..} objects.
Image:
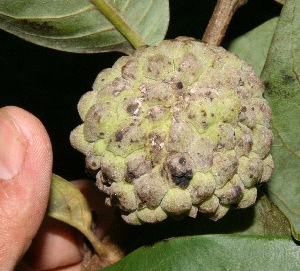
[{"x": 220, "y": 20}]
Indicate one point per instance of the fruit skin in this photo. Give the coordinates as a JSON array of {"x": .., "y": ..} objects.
[{"x": 176, "y": 129}]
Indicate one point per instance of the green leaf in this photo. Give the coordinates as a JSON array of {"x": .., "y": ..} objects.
[
  {"x": 68, "y": 204},
  {"x": 267, "y": 220},
  {"x": 253, "y": 46},
  {"x": 282, "y": 77},
  {"x": 78, "y": 26},
  {"x": 214, "y": 252}
]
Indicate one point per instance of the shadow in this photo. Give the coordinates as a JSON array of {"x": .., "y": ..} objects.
[{"x": 234, "y": 221}]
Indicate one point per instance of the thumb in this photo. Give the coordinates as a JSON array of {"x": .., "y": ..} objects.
[{"x": 25, "y": 172}]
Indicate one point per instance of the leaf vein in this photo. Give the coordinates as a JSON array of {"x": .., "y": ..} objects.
[
  {"x": 283, "y": 203},
  {"x": 285, "y": 145},
  {"x": 70, "y": 38},
  {"x": 151, "y": 30},
  {"x": 78, "y": 12},
  {"x": 146, "y": 12},
  {"x": 126, "y": 6}
]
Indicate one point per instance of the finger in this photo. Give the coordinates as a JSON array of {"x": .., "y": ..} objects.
[
  {"x": 59, "y": 246},
  {"x": 25, "y": 173}
]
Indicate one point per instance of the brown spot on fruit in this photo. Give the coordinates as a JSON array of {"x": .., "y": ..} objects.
[
  {"x": 179, "y": 85},
  {"x": 182, "y": 161},
  {"x": 137, "y": 167},
  {"x": 133, "y": 108},
  {"x": 184, "y": 180},
  {"x": 119, "y": 136},
  {"x": 179, "y": 169}
]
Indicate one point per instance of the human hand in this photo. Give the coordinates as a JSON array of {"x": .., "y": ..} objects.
[{"x": 25, "y": 176}]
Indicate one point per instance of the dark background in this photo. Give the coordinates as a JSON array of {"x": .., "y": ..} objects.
[{"x": 49, "y": 83}]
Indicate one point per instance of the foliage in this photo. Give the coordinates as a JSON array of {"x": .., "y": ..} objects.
[
  {"x": 214, "y": 252},
  {"x": 67, "y": 204},
  {"x": 253, "y": 240},
  {"x": 78, "y": 26}
]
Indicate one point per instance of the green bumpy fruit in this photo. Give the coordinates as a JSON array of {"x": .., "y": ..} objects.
[{"x": 176, "y": 129}]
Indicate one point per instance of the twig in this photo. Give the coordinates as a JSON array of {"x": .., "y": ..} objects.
[{"x": 220, "y": 20}]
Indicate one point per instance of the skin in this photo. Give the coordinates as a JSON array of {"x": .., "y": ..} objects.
[{"x": 29, "y": 239}]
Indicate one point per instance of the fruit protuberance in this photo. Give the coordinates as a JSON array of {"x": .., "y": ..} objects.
[{"x": 175, "y": 129}]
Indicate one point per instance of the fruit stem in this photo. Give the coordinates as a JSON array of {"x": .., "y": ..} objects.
[
  {"x": 95, "y": 242},
  {"x": 220, "y": 20},
  {"x": 118, "y": 21}
]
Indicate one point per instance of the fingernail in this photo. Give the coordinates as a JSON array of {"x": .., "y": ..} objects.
[{"x": 12, "y": 147}]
